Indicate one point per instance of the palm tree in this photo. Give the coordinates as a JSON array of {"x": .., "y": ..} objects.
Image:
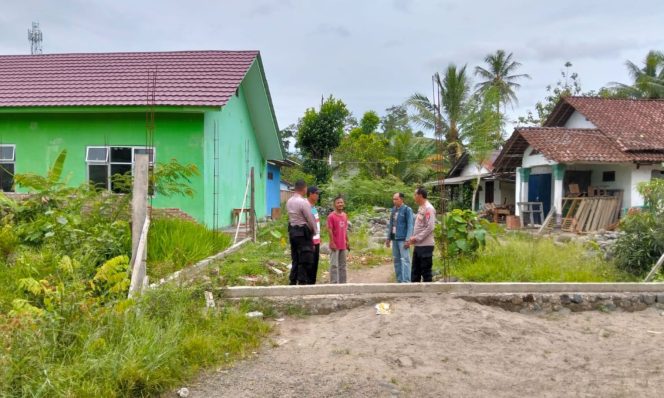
[
  {"x": 648, "y": 81},
  {"x": 446, "y": 114},
  {"x": 410, "y": 155},
  {"x": 500, "y": 73}
]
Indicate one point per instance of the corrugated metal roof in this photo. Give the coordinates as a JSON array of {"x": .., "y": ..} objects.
[{"x": 185, "y": 78}]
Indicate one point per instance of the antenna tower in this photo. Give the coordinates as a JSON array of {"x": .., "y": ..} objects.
[{"x": 35, "y": 37}]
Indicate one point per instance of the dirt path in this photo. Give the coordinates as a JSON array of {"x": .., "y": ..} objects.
[
  {"x": 440, "y": 346},
  {"x": 383, "y": 273}
]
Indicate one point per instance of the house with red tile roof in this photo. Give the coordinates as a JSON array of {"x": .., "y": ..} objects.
[
  {"x": 211, "y": 108},
  {"x": 589, "y": 145}
]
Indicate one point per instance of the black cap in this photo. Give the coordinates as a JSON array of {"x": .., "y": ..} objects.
[{"x": 312, "y": 189}]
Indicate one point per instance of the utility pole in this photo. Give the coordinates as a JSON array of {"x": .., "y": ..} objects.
[{"x": 35, "y": 37}]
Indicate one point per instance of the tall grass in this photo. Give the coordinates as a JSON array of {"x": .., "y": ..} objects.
[
  {"x": 126, "y": 351},
  {"x": 522, "y": 258},
  {"x": 175, "y": 243}
]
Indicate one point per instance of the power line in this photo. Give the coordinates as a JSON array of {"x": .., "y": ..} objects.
[{"x": 374, "y": 161}]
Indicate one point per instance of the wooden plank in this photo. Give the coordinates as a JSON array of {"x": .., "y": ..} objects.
[
  {"x": 599, "y": 211},
  {"x": 580, "y": 216},
  {"x": 655, "y": 269},
  {"x": 550, "y": 218}
]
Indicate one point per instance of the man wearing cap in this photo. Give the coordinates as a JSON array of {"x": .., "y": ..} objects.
[
  {"x": 312, "y": 197},
  {"x": 301, "y": 230}
]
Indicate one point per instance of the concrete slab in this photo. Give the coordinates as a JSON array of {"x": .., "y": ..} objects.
[{"x": 438, "y": 288}]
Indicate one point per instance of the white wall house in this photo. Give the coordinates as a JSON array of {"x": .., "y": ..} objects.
[{"x": 608, "y": 144}]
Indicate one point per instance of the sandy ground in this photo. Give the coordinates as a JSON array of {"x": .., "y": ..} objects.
[{"x": 445, "y": 347}]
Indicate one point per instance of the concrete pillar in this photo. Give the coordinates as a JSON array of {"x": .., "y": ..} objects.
[
  {"x": 517, "y": 191},
  {"x": 139, "y": 199},
  {"x": 642, "y": 174},
  {"x": 523, "y": 174},
  {"x": 558, "y": 190}
]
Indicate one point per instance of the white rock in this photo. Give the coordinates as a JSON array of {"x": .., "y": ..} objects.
[
  {"x": 254, "y": 314},
  {"x": 183, "y": 392}
]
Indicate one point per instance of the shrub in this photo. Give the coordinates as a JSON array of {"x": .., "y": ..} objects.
[
  {"x": 463, "y": 233},
  {"x": 642, "y": 241}
]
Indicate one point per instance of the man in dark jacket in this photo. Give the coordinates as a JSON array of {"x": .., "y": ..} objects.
[{"x": 399, "y": 231}]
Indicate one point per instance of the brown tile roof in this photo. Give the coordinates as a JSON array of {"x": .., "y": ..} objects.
[
  {"x": 564, "y": 145},
  {"x": 186, "y": 78},
  {"x": 634, "y": 125},
  {"x": 573, "y": 145}
]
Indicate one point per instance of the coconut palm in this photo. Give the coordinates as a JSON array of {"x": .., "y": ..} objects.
[
  {"x": 500, "y": 73},
  {"x": 410, "y": 155},
  {"x": 648, "y": 80},
  {"x": 444, "y": 117}
]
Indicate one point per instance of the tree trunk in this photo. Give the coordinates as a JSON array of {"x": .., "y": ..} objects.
[{"x": 477, "y": 187}]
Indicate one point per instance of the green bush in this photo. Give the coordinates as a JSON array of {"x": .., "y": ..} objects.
[
  {"x": 642, "y": 242},
  {"x": 359, "y": 192},
  {"x": 175, "y": 243},
  {"x": 126, "y": 350},
  {"x": 463, "y": 233}
]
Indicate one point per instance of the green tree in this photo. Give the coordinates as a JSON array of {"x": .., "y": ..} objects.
[
  {"x": 445, "y": 115},
  {"x": 648, "y": 80},
  {"x": 410, "y": 155},
  {"x": 395, "y": 120},
  {"x": 500, "y": 74},
  {"x": 287, "y": 134},
  {"x": 482, "y": 128},
  {"x": 319, "y": 134},
  {"x": 369, "y": 122},
  {"x": 364, "y": 153}
]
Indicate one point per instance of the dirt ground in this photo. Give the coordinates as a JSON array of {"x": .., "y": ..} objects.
[{"x": 444, "y": 347}]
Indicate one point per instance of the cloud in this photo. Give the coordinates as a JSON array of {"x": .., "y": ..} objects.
[
  {"x": 337, "y": 30},
  {"x": 550, "y": 50},
  {"x": 267, "y": 9},
  {"x": 403, "y": 5}
]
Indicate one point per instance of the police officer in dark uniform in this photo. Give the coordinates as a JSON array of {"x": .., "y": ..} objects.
[{"x": 301, "y": 229}]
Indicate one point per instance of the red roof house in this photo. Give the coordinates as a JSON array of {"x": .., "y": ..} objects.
[{"x": 590, "y": 144}]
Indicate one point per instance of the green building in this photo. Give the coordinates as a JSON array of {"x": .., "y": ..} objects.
[{"x": 211, "y": 108}]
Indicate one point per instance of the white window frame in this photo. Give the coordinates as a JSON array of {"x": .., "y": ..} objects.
[
  {"x": 11, "y": 161},
  {"x": 87, "y": 154},
  {"x": 109, "y": 162}
]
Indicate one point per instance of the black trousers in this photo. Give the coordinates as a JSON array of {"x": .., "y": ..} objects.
[
  {"x": 422, "y": 264},
  {"x": 302, "y": 255},
  {"x": 314, "y": 268}
]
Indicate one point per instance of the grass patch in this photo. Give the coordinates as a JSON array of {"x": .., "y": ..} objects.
[
  {"x": 524, "y": 258},
  {"x": 175, "y": 243},
  {"x": 255, "y": 263},
  {"x": 137, "y": 350}
]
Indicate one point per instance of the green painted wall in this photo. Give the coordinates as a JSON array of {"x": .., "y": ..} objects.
[
  {"x": 236, "y": 133},
  {"x": 39, "y": 138}
]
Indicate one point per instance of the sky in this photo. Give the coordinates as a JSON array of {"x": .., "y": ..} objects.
[{"x": 372, "y": 54}]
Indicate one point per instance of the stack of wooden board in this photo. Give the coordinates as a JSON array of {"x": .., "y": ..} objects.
[{"x": 590, "y": 214}]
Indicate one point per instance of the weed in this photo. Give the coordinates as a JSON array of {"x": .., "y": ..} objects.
[
  {"x": 521, "y": 258},
  {"x": 175, "y": 243}
]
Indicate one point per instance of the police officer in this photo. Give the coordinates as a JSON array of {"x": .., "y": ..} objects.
[{"x": 301, "y": 230}]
